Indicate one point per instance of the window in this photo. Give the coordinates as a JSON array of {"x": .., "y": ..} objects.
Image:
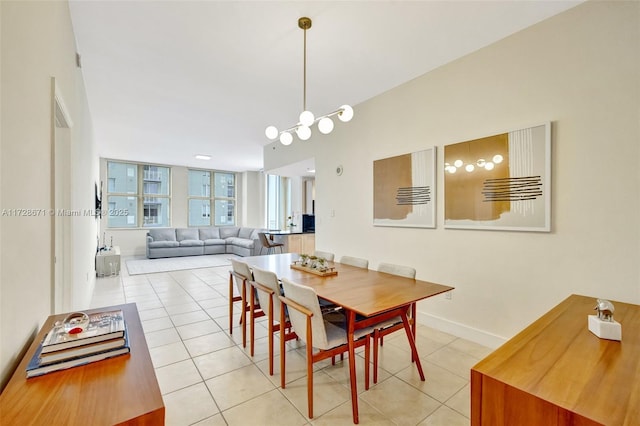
[
  {"x": 138, "y": 195},
  {"x": 223, "y": 198}
]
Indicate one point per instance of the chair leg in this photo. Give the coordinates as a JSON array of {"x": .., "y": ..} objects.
[
  {"x": 253, "y": 322},
  {"x": 366, "y": 362},
  {"x": 230, "y": 304},
  {"x": 375, "y": 356},
  {"x": 271, "y": 329},
  {"x": 282, "y": 350},
  {"x": 243, "y": 317},
  {"x": 310, "y": 380}
]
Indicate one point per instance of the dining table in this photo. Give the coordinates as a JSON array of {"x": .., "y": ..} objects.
[{"x": 368, "y": 297}]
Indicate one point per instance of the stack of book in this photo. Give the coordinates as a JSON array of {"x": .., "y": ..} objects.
[{"x": 105, "y": 336}]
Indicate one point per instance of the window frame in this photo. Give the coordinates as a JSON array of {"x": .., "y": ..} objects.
[
  {"x": 212, "y": 197},
  {"x": 141, "y": 196}
]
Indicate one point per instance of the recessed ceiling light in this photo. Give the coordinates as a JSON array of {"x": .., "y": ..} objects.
[{"x": 203, "y": 157}]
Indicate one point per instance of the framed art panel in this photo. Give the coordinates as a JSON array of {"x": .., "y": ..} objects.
[
  {"x": 500, "y": 182},
  {"x": 404, "y": 190}
]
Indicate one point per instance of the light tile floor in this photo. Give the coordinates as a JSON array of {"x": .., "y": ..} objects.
[{"x": 207, "y": 377}]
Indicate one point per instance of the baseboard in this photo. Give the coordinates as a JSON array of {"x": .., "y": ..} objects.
[{"x": 461, "y": 330}]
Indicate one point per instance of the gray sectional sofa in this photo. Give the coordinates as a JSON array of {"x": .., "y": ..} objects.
[{"x": 172, "y": 242}]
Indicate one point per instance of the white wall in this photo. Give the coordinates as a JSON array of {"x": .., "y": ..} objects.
[
  {"x": 3, "y": 357},
  {"x": 249, "y": 209},
  {"x": 579, "y": 70},
  {"x": 253, "y": 202},
  {"x": 37, "y": 44}
]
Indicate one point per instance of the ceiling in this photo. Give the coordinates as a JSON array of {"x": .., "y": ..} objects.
[{"x": 167, "y": 80}]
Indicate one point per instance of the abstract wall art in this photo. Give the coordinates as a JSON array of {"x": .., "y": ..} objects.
[
  {"x": 404, "y": 190},
  {"x": 500, "y": 182}
]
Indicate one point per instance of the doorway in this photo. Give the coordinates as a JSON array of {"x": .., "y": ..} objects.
[{"x": 61, "y": 188}]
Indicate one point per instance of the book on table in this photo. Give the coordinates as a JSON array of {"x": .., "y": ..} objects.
[
  {"x": 91, "y": 348},
  {"x": 39, "y": 364},
  {"x": 102, "y": 326}
]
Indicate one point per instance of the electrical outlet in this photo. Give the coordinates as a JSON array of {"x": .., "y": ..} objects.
[{"x": 447, "y": 295}]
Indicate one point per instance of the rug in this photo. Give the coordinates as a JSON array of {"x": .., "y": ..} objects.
[{"x": 168, "y": 264}]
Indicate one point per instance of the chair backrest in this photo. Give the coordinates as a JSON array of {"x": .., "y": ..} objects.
[
  {"x": 264, "y": 240},
  {"x": 269, "y": 280},
  {"x": 307, "y": 297},
  {"x": 355, "y": 261},
  {"x": 325, "y": 255},
  {"x": 242, "y": 269},
  {"x": 402, "y": 271}
]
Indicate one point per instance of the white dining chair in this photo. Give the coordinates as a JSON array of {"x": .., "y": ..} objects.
[
  {"x": 355, "y": 261},
  {"x": 325, "y": 255},
  {"x": 323, "y": 340},
  {"x": 267, "y": 287},
  {"x": 241, "y": 274}
]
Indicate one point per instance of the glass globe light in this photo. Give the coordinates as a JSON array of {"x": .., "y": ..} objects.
[
  {"x": 469, "y": 168},
  {"x": 497, "y": 158},
  {"x": 489, "y": 166},
  {"x": 286, "y": 138},
  {"x": 452, "y": 169},
  {"x": 325, "y": 125},
  {"x": 458, "y": 163},
  {"x": 306, "y": 118},
  {"x": 271, "y": 132},
  {"x": 346, "y": 114},
  {"x": 303, "y": 132},
  {"x": 481, "y": 162}
]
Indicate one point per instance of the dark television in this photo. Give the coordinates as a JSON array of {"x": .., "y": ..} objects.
[{"x": 308, "y": 223}]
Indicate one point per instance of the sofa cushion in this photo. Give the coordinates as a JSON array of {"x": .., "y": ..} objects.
[
  {"x": 214, "y": 242},
  {"x": 187, "y": 234},
  {"x": 163, "y": 244},
  {"x": 240, "y": 242},
  {"x": 209, "y": 233},
  {"x": 245, "y": 233},
  {"x": 191, "y": 243},
  {"x": 229, "y": 231},
  {"x": 168, "y": 234}
]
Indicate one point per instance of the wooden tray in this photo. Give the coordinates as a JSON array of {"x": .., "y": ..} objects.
[{"x": 328, "y": 273}]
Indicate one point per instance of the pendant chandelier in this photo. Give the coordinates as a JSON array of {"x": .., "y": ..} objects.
[{"x": 307, "y": 119}]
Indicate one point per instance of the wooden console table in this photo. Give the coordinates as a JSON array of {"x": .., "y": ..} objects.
[
  {"x": 119, "y": 391},
  {"x": 556, "y": 372}
]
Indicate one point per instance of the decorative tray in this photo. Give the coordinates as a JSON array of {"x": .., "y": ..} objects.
[{"x": 328, "y": 272}]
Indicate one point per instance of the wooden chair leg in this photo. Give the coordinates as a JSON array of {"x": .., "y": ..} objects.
[
  {"x": 230, "y": 304},
  {"x": 243, "y": 316},
  {"x": 366, "y": 362},
  {"x": 310, "y": 380},
  {"x": 271, "y": 330},
  {"x": 375, "y": 356},
  {"x": 253, "y": 322},
  {"x": 282, "y": 350}
]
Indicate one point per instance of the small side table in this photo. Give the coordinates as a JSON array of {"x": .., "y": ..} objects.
[{"x": 108, "y": 262}]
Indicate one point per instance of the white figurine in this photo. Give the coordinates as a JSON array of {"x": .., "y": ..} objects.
[{"x": 603, "y": 325}]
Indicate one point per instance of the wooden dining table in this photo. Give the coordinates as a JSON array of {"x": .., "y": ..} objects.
[{"x": 367, "y": 297}]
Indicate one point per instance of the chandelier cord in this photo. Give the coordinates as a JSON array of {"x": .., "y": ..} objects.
[{"x": 304, "y": 71}]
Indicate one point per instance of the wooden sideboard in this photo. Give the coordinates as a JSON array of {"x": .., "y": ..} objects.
[
  {"x": 556, "y": 372},
  {"x": 119, "y": 391}
]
